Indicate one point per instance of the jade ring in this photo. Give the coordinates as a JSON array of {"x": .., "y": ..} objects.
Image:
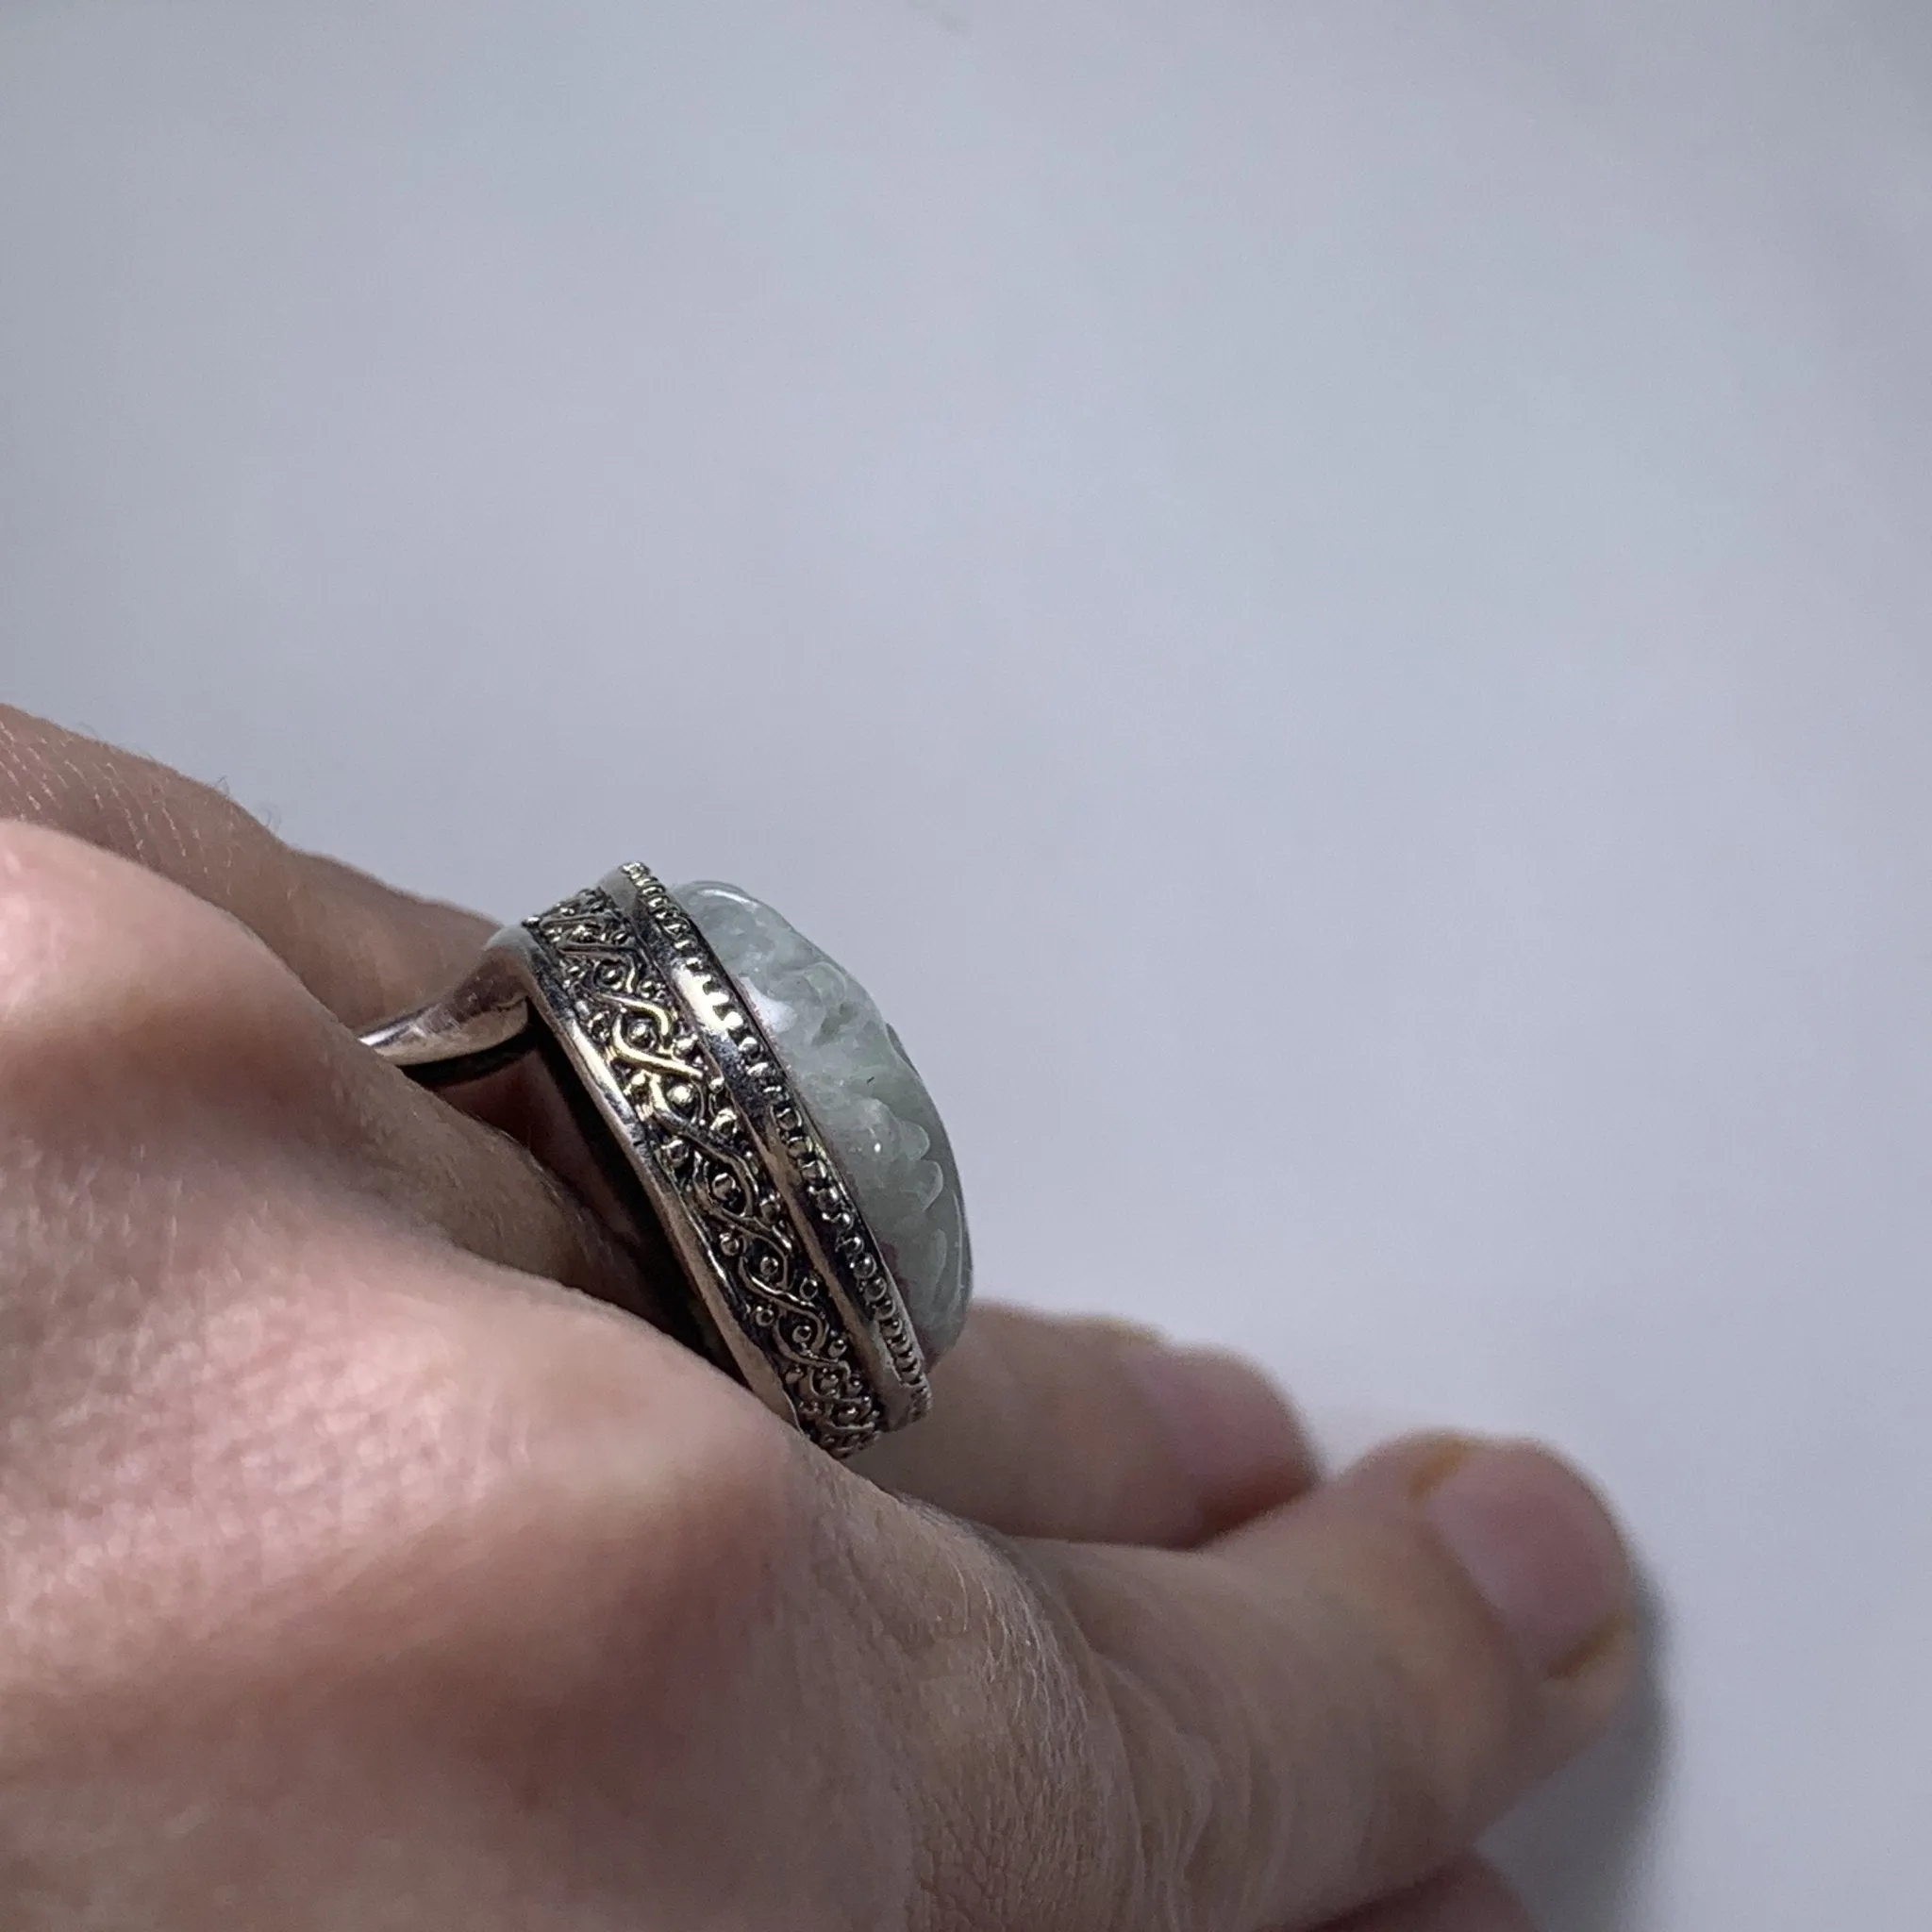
[{"x": 761, "y": 1122}]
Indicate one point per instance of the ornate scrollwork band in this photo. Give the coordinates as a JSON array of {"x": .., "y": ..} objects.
[{"x": 730, "y": 1161}]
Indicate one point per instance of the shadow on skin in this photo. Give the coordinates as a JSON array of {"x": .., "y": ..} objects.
[{"x": 1576, "y": 1850}]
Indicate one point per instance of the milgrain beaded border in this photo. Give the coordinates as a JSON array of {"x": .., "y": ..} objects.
[
  {"x": 851, "y": 1242},
  {"x": 657, "y": 1081},
  {"x": 711, "y": 1127}
]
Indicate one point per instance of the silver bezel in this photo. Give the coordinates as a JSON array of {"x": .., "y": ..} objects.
[{"x": 732, "y": 1166}]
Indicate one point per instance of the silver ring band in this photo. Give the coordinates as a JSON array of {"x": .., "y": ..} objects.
[{"x": 684, "y": 1081}]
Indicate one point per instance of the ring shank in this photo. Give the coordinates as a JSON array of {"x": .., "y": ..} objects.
[{"x": 483, "y": 1025}]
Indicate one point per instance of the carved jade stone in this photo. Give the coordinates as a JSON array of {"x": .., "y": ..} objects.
[{"x": 862, "y": 1092}]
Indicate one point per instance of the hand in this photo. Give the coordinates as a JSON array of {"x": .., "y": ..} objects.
[{"x": 364, "y": 1570}]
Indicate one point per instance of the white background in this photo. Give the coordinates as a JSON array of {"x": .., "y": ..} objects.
[{"x": 1329, "y": 600}]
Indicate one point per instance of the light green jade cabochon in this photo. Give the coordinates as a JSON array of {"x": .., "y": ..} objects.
[{"x": 864, "y": 1094}]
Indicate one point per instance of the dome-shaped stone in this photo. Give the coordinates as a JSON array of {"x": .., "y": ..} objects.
[{"x": 863, "y": 1094}]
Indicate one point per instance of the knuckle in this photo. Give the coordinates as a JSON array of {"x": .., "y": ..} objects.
[
  {"x": 365, "y": 1519},
  {"x": 335, "y": 1426},
  {"x": 204, "y": 1446}
]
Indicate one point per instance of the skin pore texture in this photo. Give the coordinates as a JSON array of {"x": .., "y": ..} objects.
[{"x": 366, "y": 1568}]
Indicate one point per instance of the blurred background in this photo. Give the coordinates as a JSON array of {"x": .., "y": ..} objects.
[{"x": 1332, "y": 602}]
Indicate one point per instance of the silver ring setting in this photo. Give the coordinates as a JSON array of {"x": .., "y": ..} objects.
[{"x": 687, "y": 1088}]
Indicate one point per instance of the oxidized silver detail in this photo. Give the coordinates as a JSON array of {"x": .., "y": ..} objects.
[
  {"x": 793, "y": 1285},
  {"x": 829, "y": 1197},
  {"x": 739, "y": 1177}
]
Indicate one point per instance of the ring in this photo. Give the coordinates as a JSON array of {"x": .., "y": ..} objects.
[{"x": 757, "y": 1115}]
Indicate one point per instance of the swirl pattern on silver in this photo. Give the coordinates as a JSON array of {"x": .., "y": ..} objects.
[
  {"x": 734, "y": 1169},
  {"x": 830, "y": 1199}
]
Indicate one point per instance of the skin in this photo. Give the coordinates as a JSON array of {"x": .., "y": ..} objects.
[{"x": 365, "y": 1568}]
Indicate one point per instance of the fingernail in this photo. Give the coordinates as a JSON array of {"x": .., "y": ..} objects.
[
  {"x": 1536, "y": 1542},
  {"x": 1231, "y": 1431}
]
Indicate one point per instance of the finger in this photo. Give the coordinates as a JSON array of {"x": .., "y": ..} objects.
[
  {"x": 362, "y": 949},
  {"x": 1469, "y": 1897},
  {"x": 1095, "y": 1432},
  {"x": 1335, "y": 1700},
  {"x": 119, "y": 979}
]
